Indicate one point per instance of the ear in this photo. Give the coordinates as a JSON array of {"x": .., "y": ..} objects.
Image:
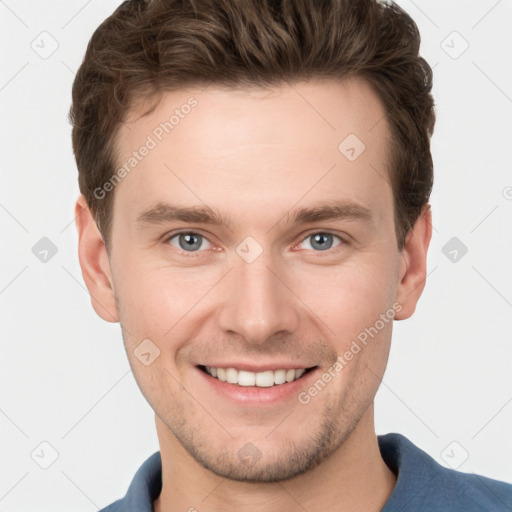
[
  {"x": 413, "y": 267},
  {"x": 94, "y": 262}
]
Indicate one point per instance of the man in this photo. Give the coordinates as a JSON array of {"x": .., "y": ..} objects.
[{"x": 255, "y": 180}]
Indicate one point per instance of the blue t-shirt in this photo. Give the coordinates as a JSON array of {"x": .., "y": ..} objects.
[{"x": 422, "y": 484}]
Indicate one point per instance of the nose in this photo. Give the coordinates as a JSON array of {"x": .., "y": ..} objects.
[{"x": 258, "y": 302}]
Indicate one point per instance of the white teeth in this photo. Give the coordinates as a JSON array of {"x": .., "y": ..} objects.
[
  {"x": 290, "y": 375},
  {"x": 279, "y": 376},
  {"x": 264, "y": 379},
  {"x": 246, "y": 378},
  {"x": 231, "y": 376}
]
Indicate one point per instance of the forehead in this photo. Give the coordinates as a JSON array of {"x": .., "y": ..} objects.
[
  {"x": 324, "y": 106},
  {"x": 301, "y": 141}
]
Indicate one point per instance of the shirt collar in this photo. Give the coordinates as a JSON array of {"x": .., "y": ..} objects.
[{"x": 414, "y": 470}]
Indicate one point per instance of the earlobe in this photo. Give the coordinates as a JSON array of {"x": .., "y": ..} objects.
[
  {"x": 94, "y": 263},
  {"x": 413, "y": 267}
]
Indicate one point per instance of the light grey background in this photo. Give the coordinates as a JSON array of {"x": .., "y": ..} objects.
[{"x": 64, "y": 375}]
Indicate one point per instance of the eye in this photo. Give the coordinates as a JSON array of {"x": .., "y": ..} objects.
[
  {"x": 322, "y": 241},
  {"x": 188, "y": 241}
]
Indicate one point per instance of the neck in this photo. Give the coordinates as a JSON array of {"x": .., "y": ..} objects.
[{"x": 355, "y": 477}]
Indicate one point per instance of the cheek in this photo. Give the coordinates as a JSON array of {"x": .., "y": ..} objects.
[
  {"x": 348, "y": 297},
  {"x": 156, "y": 300}
]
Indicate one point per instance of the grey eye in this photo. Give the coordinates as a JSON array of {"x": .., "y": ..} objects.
[
  {"x": 321, "y": 241},
  {"x": 190, "y": 242}
]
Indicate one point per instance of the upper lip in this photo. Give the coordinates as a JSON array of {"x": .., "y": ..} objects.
[{"x": 256, "y": 368}]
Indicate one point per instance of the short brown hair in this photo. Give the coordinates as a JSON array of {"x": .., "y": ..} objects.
[{"x": 147, "y": 47}]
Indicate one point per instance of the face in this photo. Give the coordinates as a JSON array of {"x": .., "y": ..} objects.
[{"x": 255, "y": 236}]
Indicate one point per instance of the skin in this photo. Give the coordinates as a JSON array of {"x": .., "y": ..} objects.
[{"x": 256, "y": 155}]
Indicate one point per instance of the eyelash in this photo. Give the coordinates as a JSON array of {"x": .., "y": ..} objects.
[{"x": 192, "y": 254}]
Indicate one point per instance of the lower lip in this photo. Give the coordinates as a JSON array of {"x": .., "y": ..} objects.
[{"x": 253, "y": 395}]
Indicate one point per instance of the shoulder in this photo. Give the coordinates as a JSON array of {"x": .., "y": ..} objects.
[
  {"x": 143, "y": 490},
  {"x": 117, "y": 506},
  {"x": 423, "y": 484}
]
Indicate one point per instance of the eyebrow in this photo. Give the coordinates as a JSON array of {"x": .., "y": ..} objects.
[
  {"x": 165, "y": 212},
  {"x": 162, "y": 213}
]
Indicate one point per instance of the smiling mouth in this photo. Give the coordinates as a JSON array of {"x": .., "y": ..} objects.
[{"x": 264, "y": 379}]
